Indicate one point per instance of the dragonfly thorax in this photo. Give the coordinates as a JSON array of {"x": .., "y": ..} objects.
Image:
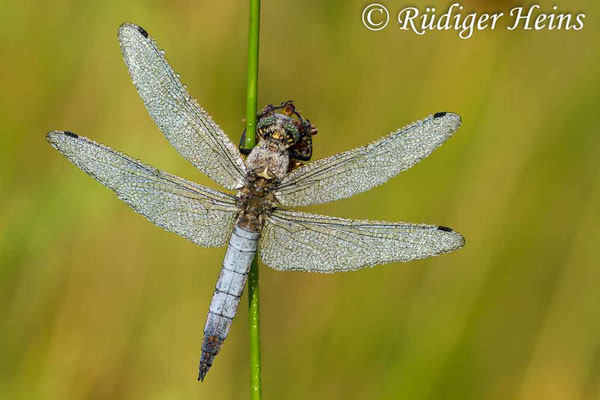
[{"x": 269, "y": 160}]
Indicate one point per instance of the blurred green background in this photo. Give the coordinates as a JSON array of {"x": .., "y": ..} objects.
[{"x": 97, "y": 303}]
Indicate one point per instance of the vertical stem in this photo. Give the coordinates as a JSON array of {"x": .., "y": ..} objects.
[
  {"x": 251, "y": 99},
  {"x": 254, "y": 324},
  {"x": 252, "y": 85}
]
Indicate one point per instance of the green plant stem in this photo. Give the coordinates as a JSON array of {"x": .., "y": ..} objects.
[
  {"x": 251, "y": 100},
  {"x": 254, "y": 324},
  {"x": 252, "y": 85}
]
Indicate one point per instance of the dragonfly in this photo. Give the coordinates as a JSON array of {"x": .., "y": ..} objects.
[{"x": 274, "y": 175}]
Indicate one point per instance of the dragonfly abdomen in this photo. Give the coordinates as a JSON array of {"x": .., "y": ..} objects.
[{"x": 228, "y": 291}]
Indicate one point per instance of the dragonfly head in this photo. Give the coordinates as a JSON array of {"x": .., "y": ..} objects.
[
  {"x": 278, "y": 128},
  {"x": 284, "y": 127}
]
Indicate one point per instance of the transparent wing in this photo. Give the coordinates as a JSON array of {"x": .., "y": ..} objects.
[
  {"x": 296, "y": 241},
  {"x": 199, "y": 214},
  {"x": 186, "y": 125},
  {"x": 346, "y": 174}
]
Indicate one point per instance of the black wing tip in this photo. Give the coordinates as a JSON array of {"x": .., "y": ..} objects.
[
  {"x": 142, "y": 31},
  {"x": 447, "y": 119},
  {"x": 50, "y": 136},
  {"x": 450, "y": 230},
  {"x": 71, "y": 134},
  {"x": 129, "y": 25},
  {"x": 448, "y": 115}
]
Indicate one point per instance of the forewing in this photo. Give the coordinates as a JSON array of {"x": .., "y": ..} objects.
[
  {"x": 186, "y": 125},
  {"x": 346, "y": 174},
  {"x": 199, "y": 214},
  {"x": 296, "y": 241}
]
